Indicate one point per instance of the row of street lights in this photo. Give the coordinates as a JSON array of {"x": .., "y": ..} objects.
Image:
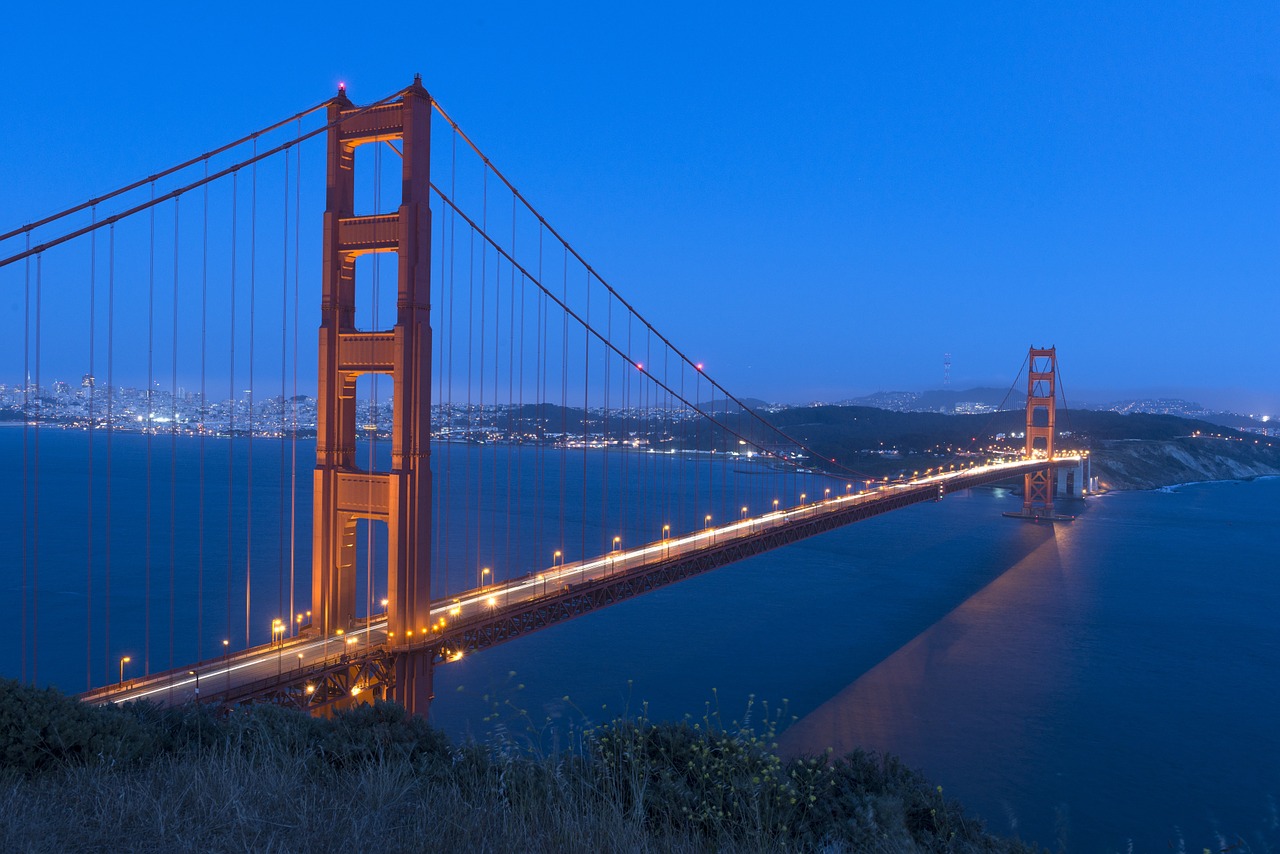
[{"x": 279, "y": 628}]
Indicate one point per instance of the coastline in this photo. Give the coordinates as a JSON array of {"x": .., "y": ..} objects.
[
  {"x": 1152, "y": 464},
  {"x": 1174, "y": 487}
]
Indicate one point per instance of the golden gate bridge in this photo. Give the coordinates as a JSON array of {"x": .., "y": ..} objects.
[{"x": 502, "y": 442}]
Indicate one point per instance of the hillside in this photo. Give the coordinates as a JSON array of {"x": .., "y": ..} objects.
[
  {"x": 1135, "y": 451},
  {"x": 1147, "y": 464}
]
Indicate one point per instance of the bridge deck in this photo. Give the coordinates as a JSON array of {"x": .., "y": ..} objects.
[{"x": 310, "y": 671}]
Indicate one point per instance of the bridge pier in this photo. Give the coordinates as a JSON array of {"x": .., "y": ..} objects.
[{"x": 415, "y": 674}]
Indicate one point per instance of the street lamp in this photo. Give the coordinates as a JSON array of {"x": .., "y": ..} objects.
[
  {"x": 802, "y": 497},
  {"x": 617, "y": 543},
  {"x": 775, "y": 505},
  {"x": 559, "y": 555},
  {"x": 226, "y": 660},
  {"x": 277, "y": 639},
  {"x": 744, "y": 512},
  {"x": 197, "y": 675},
  {"x": 483, "y": 572},
  {"x": 706, "y": 521},
  {"x": 826, "y": 493},
  {"x": 666, "y": 535},
  {"x": 123, "y": 662}
]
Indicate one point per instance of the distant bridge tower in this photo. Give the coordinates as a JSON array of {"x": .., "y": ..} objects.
[
  {"x": 1042, "y": 369},
  {"x": 344, "y": 493}
]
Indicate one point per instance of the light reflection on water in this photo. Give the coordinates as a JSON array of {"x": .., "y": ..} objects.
[
  {"x": 940, "y": 692},
  {"x": 1119, "y": 683}
]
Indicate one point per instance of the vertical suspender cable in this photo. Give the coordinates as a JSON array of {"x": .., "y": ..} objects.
[
  {"x": 439, "y": 500},
  {"x": 683, "y": 460},
  {"x": 520, "y": 468},
  {"x": 26, "y": 422},
  {"x": 651, "y": 466},
  {"x": 563, "y": 441},
  {"x": 149, "y": 427},
  {"x": 111, "y": 394},
  {"x": 466, "y": 476},
  {"x": 293, "y": 434},
  {"x": 35, "y": 496},
  {"x": 484, "y": 284},
  {"x": 511, "y": 374},
  {"x": 539, "y": 403},
  {"x": 604, "y": 428},
  {"x": 493, "y": 453},
  {"x": 373, "y": 395},
  {"x": 88, "y": 562},
  {"x": 667, "y": 497},
  {"x": 628, "y": 421},
  {"x": 564, "y": 398},
  {"x": 231, "y": 398},
  {"x": 173, "y": 440},
  {"x": 447, "y": 408},
  {"x": 248, "y": 486},
  {"x": 586, "y": 408},
  {"x": 204, "y": 412},
  {"x": 284, "y": 338}
]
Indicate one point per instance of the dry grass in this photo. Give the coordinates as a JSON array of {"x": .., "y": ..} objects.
[{"x": 265, "y": 780}]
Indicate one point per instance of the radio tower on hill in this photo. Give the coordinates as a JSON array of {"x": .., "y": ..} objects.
[{"x": 946, "y": 370}]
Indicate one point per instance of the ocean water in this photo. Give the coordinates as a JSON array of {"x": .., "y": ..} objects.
[{"x": 1110, "y": 684}]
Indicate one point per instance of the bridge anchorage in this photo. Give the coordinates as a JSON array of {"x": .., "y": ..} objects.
[{"x": 684, "y": 478}]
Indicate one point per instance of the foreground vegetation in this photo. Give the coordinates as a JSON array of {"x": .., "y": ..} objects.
[{"x": 77, "y": 778}]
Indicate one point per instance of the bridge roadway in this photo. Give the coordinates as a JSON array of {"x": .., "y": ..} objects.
[{"x": 310, "y": 671}]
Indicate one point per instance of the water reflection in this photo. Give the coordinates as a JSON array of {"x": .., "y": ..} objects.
[{"x": 988, "y": 673}]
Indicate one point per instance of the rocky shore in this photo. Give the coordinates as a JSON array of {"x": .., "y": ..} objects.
[{"x": 1153, "y": 463}]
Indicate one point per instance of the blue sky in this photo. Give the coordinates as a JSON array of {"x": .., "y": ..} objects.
[{"x": 816, "y": 202}]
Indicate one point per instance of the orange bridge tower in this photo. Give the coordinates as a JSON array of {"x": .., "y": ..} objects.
[
  {"x": 344, "y": 493},
  {"x": 1040, "y": 485}
]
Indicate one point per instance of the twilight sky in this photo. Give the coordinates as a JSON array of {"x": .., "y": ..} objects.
[{"x": 816, "y": 203}]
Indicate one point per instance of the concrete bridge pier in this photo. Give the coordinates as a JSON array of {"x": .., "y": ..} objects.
[{"x": 415, "y": 673}]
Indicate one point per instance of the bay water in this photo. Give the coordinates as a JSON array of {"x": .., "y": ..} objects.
[{"x": 1108, "y": 684}]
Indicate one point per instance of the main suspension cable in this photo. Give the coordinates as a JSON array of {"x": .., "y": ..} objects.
[
  {"x": 644, "y": 368},
  {"x": 592, "y": 271},
  {"x": 94, "y": 202},
  {"x": 173, "y": 194}
]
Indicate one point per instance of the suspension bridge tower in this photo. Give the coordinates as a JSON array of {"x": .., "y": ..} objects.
[
  {"x": 1040, "y": 485},
  {"x": 400, "y": 498}
]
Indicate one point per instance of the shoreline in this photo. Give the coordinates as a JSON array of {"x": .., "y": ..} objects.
[{"x": 1173, "y": 487}]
